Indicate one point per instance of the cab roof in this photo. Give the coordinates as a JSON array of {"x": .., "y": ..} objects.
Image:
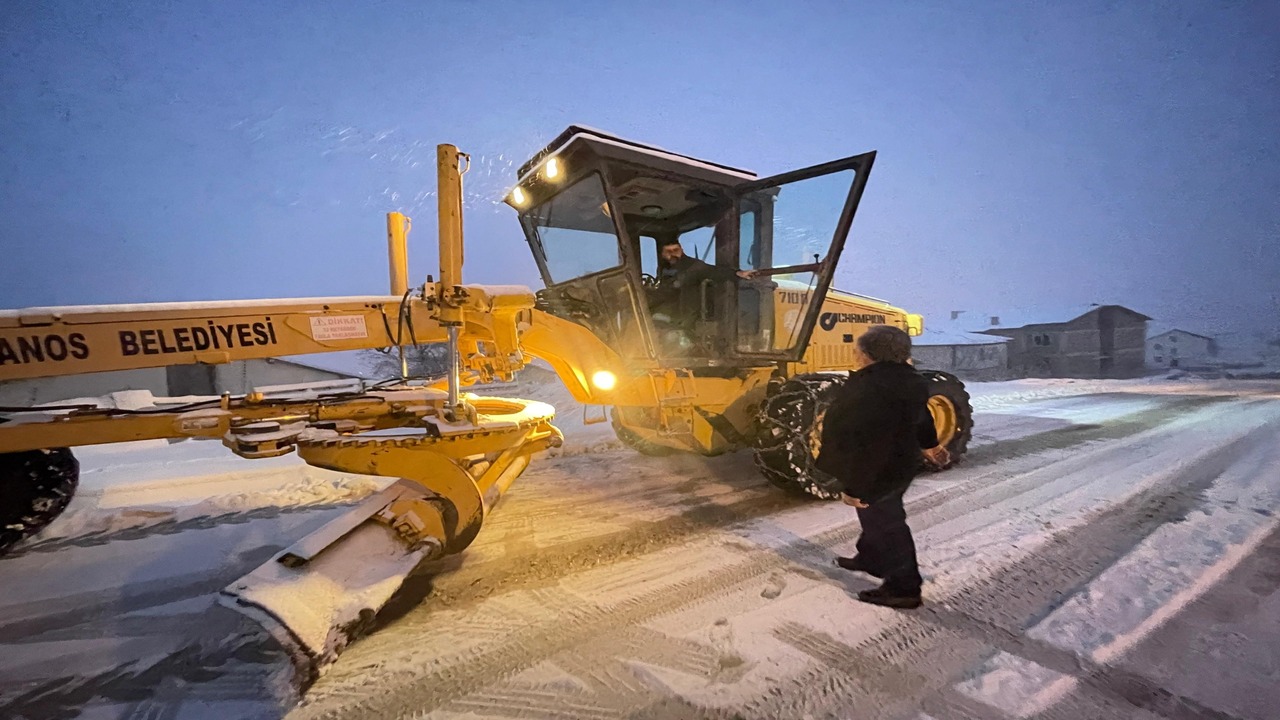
[{"x": 613, "y": 147}]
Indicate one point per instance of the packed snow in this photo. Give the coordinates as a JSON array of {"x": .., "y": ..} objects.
[{"x": 158, "y": 528}]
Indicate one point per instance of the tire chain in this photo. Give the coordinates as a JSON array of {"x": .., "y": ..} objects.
[{"x": 790, "y": 429}]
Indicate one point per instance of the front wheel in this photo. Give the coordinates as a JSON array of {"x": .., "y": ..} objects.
[
  {"x": 35, "y": 487},
  {"x": 789, "y": 433}
]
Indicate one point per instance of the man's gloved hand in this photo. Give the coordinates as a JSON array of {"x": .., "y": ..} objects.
[{"x": 938, "y": 456}]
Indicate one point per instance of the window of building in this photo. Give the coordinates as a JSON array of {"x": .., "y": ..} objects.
[{"x": 1040, "y": 339}]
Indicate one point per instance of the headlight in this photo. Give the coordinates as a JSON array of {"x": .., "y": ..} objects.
[
  {"x": 604, "y": 380},
  {"x": 518, "y": 196},
  {"x": 551, "y": 170}
]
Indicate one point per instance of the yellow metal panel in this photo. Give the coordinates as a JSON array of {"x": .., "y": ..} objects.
[
  {"x": 449, "y": 205},
  {"x": 435, "y": 471},
  {"x": 46, "y": 342},
  {"x": 88, "y": 339},
  {"x": 576, "y": 354},
  {"x": 398, "y": 252}
]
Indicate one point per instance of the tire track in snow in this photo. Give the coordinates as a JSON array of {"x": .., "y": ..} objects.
[
  {"x": 602, "y": 681},
  {"x": 1071, "y": 561},
  {"x": 952, "y": 636},
  {"x": 1024, "y": 475},
  {"x": 997, "y": 454},
  {"x": 1077, "y": 434},
  {"x": 1007, "y": 602},
  {"x": 471, "y": 584}
]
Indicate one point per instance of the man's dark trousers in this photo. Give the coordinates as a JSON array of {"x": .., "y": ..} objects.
[{"x": 886, "y": 548}]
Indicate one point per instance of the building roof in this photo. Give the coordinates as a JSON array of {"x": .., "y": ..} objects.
[
  {"x": 1032, "y": 315},
  {"x": 950, "y": 334},
  {"x": 1155, "y": 331}
]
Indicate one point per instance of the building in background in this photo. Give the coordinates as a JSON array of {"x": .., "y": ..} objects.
[
  {"x": 1178, "y": 348},
  {"x": 1092, "y": 341},
  {"x": 970, "y": 356}
]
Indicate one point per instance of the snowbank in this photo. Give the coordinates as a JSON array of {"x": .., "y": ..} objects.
[
  {"x": 140, "y": 484},
  {"x": 1145, "y": 588}
]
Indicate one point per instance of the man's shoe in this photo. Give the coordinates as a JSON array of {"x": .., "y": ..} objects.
[
  {"x": 855, "y": 564},
  {"x": 890, "y": 598}
]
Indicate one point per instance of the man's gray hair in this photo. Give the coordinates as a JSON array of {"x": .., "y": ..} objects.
[{"x": 885, "y": 343}]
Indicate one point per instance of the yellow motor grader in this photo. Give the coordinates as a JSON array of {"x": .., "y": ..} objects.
[{"x": 744, "y": 355}]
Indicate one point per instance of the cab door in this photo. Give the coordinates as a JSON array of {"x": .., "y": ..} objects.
[{"x": 791, "y": 230}]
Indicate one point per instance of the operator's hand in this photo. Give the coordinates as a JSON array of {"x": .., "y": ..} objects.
[
  {"x": 852, "y": 501},
  {"x": 748, "y": 274},
  {"x": 938, "y": 456}
]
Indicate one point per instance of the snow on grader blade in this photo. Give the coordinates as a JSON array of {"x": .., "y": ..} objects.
[{"x": 324, "y": 591}]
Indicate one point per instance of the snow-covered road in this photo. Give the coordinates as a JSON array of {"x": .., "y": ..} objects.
[{"x": 1106, "y": 550}]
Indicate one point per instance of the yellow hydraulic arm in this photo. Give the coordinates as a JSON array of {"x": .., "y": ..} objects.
[{"x": 45, "y": 342}]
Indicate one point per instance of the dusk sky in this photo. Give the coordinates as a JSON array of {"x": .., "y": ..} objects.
[{"x": 1030, "y": 154}]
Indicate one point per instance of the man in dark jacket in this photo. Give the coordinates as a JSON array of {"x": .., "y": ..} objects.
[{"x": 872, "y": 438}]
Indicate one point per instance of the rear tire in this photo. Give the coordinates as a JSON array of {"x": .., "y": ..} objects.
[
  {"x": 789, "y": 434},
  {"x": 35, "y": 487},
  {"x": 952, "y": 413}
]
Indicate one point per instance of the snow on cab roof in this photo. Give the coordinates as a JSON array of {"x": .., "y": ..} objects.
[{"x": 582, "y": 132}]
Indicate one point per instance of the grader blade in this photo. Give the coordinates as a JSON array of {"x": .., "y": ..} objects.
[
  {"x": 315, "y": 610},
  {"x": 324, "y": 591}
]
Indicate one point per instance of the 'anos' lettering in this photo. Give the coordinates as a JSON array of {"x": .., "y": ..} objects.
[{"x": 51, "y": 347}]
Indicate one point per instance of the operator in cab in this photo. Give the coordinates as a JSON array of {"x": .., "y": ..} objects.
[{"x": 676, "y": 298}]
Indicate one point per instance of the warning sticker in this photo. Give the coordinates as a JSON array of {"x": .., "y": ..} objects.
[{"x": 338, "y": 327}]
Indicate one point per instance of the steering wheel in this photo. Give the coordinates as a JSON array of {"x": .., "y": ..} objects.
[{"x": 648, "y": 282}]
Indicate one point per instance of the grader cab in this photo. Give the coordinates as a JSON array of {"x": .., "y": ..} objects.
[
  {"x": 740, "y": 349},
  {"x": 596, "y": 211}
]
